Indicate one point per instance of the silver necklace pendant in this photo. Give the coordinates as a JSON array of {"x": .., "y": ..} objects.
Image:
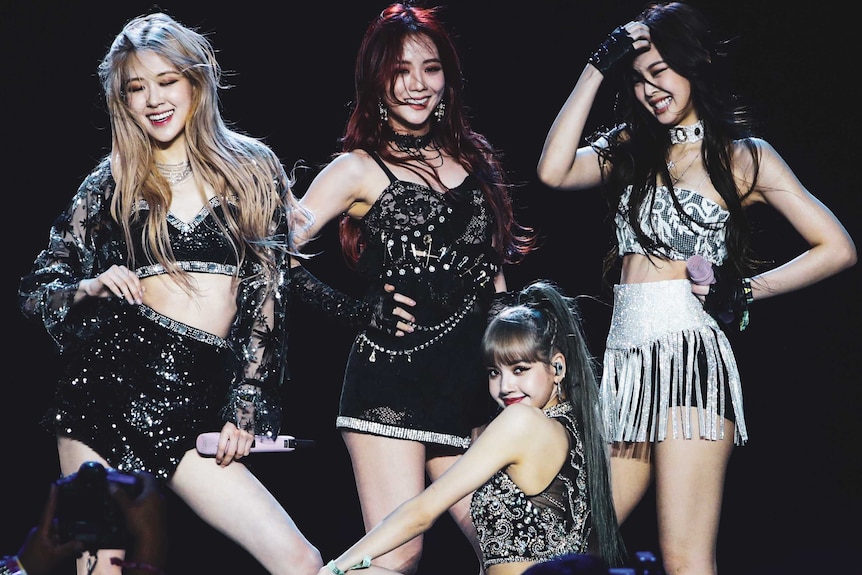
[{"x": 671, "y": 165}]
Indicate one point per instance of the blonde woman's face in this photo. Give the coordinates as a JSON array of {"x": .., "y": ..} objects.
[{"x": 159, "y": 97}]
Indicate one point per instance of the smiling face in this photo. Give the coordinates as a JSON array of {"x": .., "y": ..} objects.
[
  {"x": 159, "y": 98},
  {"x": 419, "y": 86},
  {"x": 662, "y": 91},
  {"x": 523, "y": 381}
]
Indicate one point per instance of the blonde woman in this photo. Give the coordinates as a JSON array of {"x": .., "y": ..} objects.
[{"x": 163, "y": 285}]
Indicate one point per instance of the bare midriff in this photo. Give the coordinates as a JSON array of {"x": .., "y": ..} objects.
[
  {"x": 210, "y": 307},
  {"x": 636, "y": 268}
]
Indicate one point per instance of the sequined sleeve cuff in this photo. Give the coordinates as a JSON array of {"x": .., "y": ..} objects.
[{"x": 252, "y": 408}]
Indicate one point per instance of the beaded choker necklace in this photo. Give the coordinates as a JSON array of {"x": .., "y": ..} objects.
[
  {"x": 175, "y": 173},
  {"x": 413, "y": 146},
  {"x": 687, "y": 134},
  {"x": 410, "y": 143}
]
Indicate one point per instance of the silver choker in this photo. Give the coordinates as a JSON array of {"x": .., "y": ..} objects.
[
  {"x": 175, "y": 173},
  {"x": 687, "y": 134}
]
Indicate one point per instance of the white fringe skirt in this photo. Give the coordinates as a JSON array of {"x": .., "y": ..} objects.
[{"x": 663, "y": 351}]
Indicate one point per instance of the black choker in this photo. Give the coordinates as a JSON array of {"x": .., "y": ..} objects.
[
  {"x": 409, "y": 142},
  {"x": 683, "y": 134}
]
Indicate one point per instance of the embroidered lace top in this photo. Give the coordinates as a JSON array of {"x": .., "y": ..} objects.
[
  {"x": 702, "y": 232},
  {"x": 198, "y": 246},
  {"x": 515, "y": 527},
  {"x": 434, "y": 246},
  {"x": 84, "y": 241}
]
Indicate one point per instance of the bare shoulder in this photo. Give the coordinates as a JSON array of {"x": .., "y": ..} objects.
[
  {"x": 750, "y": 154},
  {"x": 350, "y": 183},
  {"x": 743, "y": 148},
  {"x": 538, "y": 446},
  {"x": 514, "y": 435},
  {"x": 360, "y": 171},
  {"x": 351, "y": 164},
  {"x": 520, "y": 418}
]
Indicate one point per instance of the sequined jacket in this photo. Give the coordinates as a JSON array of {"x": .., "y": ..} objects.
[{"x": 85, "y": 241}]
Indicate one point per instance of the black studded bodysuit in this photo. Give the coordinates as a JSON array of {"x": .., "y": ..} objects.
[{"x": 435, "y": 247}]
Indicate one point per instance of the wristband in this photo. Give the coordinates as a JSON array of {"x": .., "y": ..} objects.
[
  {"x": 747, "y": 291},
  {"x": 10, "y": 565},
  {"x": 616, "y": 46},
  {"x": 364, "y": 564},
  {"x": 748, "y": 296}
]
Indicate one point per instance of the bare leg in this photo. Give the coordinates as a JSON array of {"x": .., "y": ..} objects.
[
  {"x": 689, "y": 486},
  {"x": 233, "y": 501},
  {"x": 230, "y": 499},
  {"x": 631, "y": 475},
  {"x": 460, "y": 512},
  {"x": 72, "y": 454},
  {"x": 387, "y": 473}
]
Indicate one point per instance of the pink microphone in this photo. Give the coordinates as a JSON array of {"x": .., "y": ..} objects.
[
  {"x": 207, "y": 443},
  {"x": 700, "y": 270}
]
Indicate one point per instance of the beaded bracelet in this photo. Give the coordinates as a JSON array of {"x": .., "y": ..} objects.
[
  {"x": 364, "y": 564},
  {"x": 748, "y": 296},
  {"x": 136, "y": 565},
  {"x": 747, "y": 291}
]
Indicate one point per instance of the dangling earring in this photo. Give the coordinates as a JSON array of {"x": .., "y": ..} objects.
[
  {"x": 440, "y": 111},
  {"x": 559, "y": 386},
  {"x": 381, "y": 109}
]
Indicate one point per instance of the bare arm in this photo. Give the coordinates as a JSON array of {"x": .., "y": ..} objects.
[
  {"x": 831, "y": 247},
  {"x": 563, "y": 164},
  {"x": 508, "y": 440},
  {"x": 347, "y": 186},
  {"x": 338, "y": 189}
]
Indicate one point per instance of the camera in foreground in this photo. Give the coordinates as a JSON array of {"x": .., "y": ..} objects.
[{"x": 86, "y": 510}]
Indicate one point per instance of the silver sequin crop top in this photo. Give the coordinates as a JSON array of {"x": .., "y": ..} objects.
[
  {"x": 702, "y": 232},
  {"x": 198, "y": 246},
  {"x": 514, "y": 527}
]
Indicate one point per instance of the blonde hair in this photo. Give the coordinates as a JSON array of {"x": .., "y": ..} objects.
[{"x": 247, "y": 176}]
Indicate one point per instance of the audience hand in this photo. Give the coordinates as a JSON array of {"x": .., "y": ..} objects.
[{"x": 41, "y": 553}]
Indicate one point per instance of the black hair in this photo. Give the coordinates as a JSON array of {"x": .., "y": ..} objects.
[
  {"x": 542, "y": 322},
  {"x": 638, "y": 144}
]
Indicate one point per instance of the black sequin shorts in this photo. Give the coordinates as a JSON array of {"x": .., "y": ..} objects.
[
  {"x": 141, "y": 391},
  {"x": 436, "y": 393}
]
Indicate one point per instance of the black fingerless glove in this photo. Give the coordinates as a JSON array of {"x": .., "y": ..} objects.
[
  {"x": 728, "y": 298},
  {"x": 380, "y": 306},
  {"x": 500, "y": 301},
  {"x": 375, "y": 311},
  {"x": 616, "y": 46}
]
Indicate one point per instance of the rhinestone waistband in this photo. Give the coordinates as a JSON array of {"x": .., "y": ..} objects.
[{"x": 182, "y": 328}]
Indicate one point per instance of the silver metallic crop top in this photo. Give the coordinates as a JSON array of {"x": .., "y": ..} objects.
[
  {"x": 198, "y": 246},
  {"x": 702, "y": 232}
]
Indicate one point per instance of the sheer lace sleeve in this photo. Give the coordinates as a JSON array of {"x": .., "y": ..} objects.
[
  {"x": 79, "y": 246},
  {"x": 259, "y": 336}
]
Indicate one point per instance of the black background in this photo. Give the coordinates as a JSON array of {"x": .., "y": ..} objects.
[{"x": 792, "y": 497}]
